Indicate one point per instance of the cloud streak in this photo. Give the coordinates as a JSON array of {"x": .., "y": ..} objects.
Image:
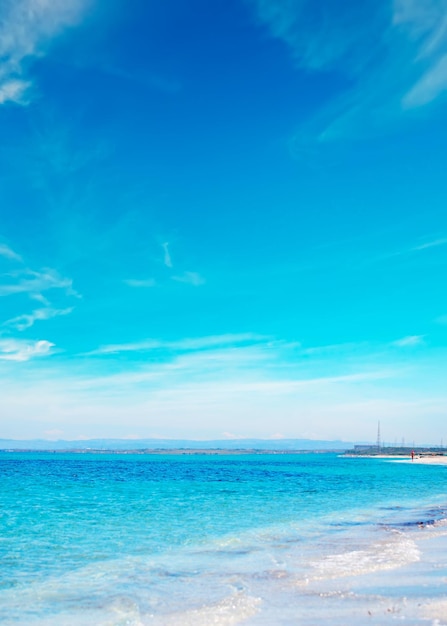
[
  {"x": 8, "y": 253},
  {"x": 190, "y": 278},
  {"x": 394, "y": 58},
  {"x": 409, "y": 342},
  {"x": 26, "y": 28},
  {"x": 425, "y": 24},
  {"x": 238, "y": 379},
  {"x": 23, "y": 350},
  {"x": 35, "y": 282},
  {"x": 167, "y": 260},
  {"x": 430, "y": 244},
  {"x": 22, "y": 322},
  {"x": 191, "y": 344},
  {"x": 143, "y": 283}
]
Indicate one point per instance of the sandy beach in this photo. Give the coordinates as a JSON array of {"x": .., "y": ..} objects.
[{"x": 422, "y": 460}]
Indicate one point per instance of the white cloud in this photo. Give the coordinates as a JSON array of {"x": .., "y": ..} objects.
[
  {"x": 334, "y": 349},
  {"x": 220, "y": 340},
  {"x": 6, "y": 252},
  {"x": 190, "y": 278},
  {"x": 26, "y": 27},
  {"x": 425, "y": 25},
  {"x": 22, "y": 322},
  {"x": 419, "y": 17},
  {"x": 393, "y": 59},
  {"x": 180, "y": 401},
  {"x": 431, "y": 85},
  {"x": 139, "y": 346},
  {"x": 411, "y": 250},
  {"x": 14, "y": 90},
  {"x": 323, "y": 35},
  {"x": 23, "y": 350},
  {"x": 410, "y": 341},
  {"x": 40, "y": 298},
  {"x": 183, "y": 345},
  {"x": 32, "y": 282},
  {"x": 242, "y": 381},
  {"x": 134, "y": 282},
  {"x": 430, "y": 244},
  {"x": 167, "y": 257},
  {"x": 269, "y": 387}
]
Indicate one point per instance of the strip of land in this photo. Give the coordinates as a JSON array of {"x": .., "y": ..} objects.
[
  {"x": 423, "y": 459},
  {"x": 426, "y": 460}
]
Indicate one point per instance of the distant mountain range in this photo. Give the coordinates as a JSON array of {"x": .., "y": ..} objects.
[{"x": 175, "y": 444}]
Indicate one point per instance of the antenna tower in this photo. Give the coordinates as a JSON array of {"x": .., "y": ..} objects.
[{"x": 379, "y": 442}]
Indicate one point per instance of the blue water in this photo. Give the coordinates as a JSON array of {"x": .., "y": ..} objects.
[{"x": 132, "y": 539}]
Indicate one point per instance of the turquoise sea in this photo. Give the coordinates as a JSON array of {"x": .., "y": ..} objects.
[{"x": 131, "y": 539}]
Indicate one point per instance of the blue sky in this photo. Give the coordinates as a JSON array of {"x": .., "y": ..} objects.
[{"x": 223, "y": 219}]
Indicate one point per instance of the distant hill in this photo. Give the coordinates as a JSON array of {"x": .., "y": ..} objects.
[{"x": 173, "y": 444}]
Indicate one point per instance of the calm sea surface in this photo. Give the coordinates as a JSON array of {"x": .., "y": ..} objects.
[{"x": 208, "y": 539}]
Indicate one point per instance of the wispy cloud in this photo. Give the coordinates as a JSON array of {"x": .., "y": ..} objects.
[
  {"x": 167, "y": 260},
  {"x": 431, "y": 85},
  {"x": 22, "y": 322},
  {"x": 15, "y": 90},
  {"x": 189, "y": 344},
  {"x": 23, "y": 350},
  {"x": 430, "y": 244},
  {"x": 35, "y": 282},
  {"x": 425, "y": 24},
  {"x": 334, "y": 349},
  {"x": 190, "y": 278},
  {"x": 40, "y": 298},
  {"x": 238, "y": 379},
  {"x": 8, "y": 253},
  {"x": 411, "y": 250},
  {"x": 236, "y": 386},
  {"x": 410, "y": 341},
  {"x": 323, "y": 35},
  {"x": 26, "y": 28},
  {"x": 134, "y": 282},
  {"x": 394, "y": 57}
]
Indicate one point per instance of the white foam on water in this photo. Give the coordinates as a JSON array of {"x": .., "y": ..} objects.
[
  {"x": 436, "y": 611},
  {"x": 122, "y": 612},
  {"x": 131, "y": 592},
  {"x": 251, "y": 583},
  {"x": 387, "y": 554},
  {"x": 231, "y": 610},
  {"x": 438, "y": 529}
]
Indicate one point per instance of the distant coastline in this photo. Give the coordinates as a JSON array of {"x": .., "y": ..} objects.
[
  {"x": 218, "y": 447},
  {"x": 168, "y": 451},
  {"x": 178, "y": 446}
]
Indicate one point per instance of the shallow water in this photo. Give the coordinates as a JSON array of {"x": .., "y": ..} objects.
[{"x": 203, "y": 539}]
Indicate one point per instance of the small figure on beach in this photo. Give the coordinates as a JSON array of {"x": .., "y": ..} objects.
[{"x": 412, "y": 455}]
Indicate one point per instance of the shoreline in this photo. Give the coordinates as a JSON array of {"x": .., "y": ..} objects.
[
  {"x": 169, "y": 451},
  {"x": 399, "y": 458},
  {"x": 424, "y": 460}
]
